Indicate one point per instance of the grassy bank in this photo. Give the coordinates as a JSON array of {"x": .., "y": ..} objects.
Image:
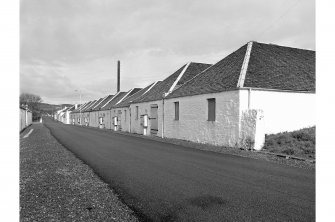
[{"x": 299, "y": 143}]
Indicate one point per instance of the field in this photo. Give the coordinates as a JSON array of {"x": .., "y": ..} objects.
[{"x": 299, "y": 143}]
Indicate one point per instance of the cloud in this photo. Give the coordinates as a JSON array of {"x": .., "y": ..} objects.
[{"x": 79, "y": 42}]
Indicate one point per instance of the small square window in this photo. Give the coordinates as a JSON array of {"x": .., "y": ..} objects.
[
  {"x": 211, "y": 109},
  {"x": 176, "y": 110}
]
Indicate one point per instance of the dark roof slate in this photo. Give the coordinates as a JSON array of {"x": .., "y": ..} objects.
[
  {"x": 278, "y": 67},
  {"x": 127, "y": 101},
  {"x": 106, "y": 99},
  {"x": 219, "y": 77},
  {"x": 269, "y": 67},
  {"x": 88, "y": 106},
  {"x": 81, "y": 105},
  {"x": 156, "y": 93},
  {"x": 93, "y": 105},
  {"x": 116, "y": 98}
]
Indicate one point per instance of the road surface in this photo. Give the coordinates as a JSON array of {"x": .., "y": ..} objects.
[{"x": 166, "y": 182}]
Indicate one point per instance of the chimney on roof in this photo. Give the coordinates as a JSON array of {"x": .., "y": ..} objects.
[{"x": 118, "y": 76}]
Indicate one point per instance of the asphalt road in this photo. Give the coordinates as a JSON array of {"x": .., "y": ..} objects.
[{"x": 166, "y": 182}]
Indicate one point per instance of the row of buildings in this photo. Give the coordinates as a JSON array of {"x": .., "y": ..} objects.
[{"x": 256, "y": 90}]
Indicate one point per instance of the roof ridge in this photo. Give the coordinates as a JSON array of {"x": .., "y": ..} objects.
[
  {"x": 245, "y": 64},
  {"x": 273, "y": 44}
]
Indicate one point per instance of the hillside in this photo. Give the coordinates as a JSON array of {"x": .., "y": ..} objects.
[{"x": 50, "y": 108}]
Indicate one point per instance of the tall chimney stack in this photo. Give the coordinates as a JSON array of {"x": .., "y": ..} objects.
[{"x": 118, "y": 76}]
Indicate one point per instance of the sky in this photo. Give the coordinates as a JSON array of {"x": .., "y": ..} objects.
[{"x": 70, "y": 48}]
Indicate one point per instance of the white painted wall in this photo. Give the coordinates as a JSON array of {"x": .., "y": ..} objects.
[
  {"x": 144, "y": 108},
  {"x": 94, "y": 119},
  {"x": 193, "y": 114},
  {"x": 106, "y": 114},
  {"x": 283, "y": 111},
  {"x": 123, "y": 118}
]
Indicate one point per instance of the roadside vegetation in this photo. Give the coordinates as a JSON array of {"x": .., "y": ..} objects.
[
  {"x": 34, "y": 103},
  {"x": 300, "y": 143}
]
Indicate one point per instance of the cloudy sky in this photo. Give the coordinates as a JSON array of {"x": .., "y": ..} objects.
[{"x": 68, "y": 45}]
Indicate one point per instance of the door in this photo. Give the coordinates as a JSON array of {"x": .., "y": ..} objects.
[{"x": 154, "y": 120}]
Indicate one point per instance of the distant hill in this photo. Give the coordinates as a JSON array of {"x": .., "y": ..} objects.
[{"x": 50, "y": 108}]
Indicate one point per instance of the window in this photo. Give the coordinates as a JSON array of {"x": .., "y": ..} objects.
[
  {"x": 211, "y": 109},
  {"x": 136, "y": 113},
  {"x": 176, "y": 110},
  {"x": 125, "y": 115}
]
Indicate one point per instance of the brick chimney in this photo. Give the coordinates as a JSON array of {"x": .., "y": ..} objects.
[{"x": 118, "y": 76}]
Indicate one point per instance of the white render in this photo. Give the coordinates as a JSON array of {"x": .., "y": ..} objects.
[
  {"x": 107, "y": 119},
  {"x": 144, "y": 109},
  {"x": 242, "y": 116},
  {"x": 123, "y": 118},
  {"x": 193, "y": 124},
  {"x": 283, "y": 110}
]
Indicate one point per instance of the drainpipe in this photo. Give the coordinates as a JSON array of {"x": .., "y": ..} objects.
[
  {"x": 164, "y": 95},
  {"x": 129, "y": 119},
  {"x": 111, "y": 120},
  {"x": 249, "y": 97}
]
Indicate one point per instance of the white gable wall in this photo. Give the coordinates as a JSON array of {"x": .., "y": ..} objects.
[
  {"x": 283, "y": 111},
  {"x": 193, "y": 114}
]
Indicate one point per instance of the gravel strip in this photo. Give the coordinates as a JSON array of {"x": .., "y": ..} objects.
[
  {"x": 57, "y": 186},
  {"x": 226, "y": 150}
]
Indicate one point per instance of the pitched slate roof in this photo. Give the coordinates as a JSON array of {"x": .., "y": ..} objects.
[
  {"x": 130, "y": 93},
  {"x": 88, "y": 106},
  {"x": 116, "y": 98},
  {"x": 278, "y": 67},
  {"x": 97, "y": 102},
  {"x": 127, "y": 101},
  {"x": 82, "y": 106},
  {"x": 269, "y": 66},
  {"x": 103, "y": 102},
  {"x": 157, "y": 92},
  {"x": 72, "y": 108}
]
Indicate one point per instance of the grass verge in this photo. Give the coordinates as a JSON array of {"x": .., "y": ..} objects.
[{"x": 300, "y": 143}]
